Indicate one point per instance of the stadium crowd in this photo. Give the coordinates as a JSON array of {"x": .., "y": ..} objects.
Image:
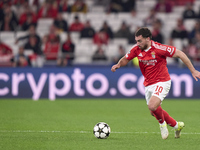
[{"x": 41, "y": 33}]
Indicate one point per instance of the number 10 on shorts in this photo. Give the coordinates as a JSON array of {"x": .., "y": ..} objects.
[{"x": 158, "y": 90}]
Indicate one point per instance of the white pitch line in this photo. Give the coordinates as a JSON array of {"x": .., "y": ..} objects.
[{"x": 42, "y": 131}]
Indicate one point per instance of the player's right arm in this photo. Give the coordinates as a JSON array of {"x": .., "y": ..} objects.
[{"x": 122, "y": 62}]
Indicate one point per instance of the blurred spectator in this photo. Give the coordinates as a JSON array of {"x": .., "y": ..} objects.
[
  {"x": 7, "y": 24},
  {"x": 181, "y": 2},
  {"x": 197, "y": 41},
  {"x": 28, "y": 23},
  {"x": 163, "y": 6},
  {"x": 127, "y": 5},
  {"x": 195, "y": 29},
  {"x": 32, "y": 32},
  {"x": 67, "y": 51},
  {"x": 179, "y": 31},
  {"x": 99, "y": 55},
  {"x": 156, "y": 32},
  {"x": 115, "y": 6},
  {"x": 191, "y": 51},
  {"x": 6, "y": 54},
  {"x": 106, "y": 28},
  {"x": 189, "y": 13},
  {"x": 121, "y": 5},
  {"x": 132, "y": 38},
  {"x": 64, "y": 6},
  {"x": 7, "y": 11},
  {"x": 1, "y": 15},
  {"x": 27, "y": 18},
  {"x": 79, "y": 6},
  {"x": 37, "y": 58},
  {"x": 51, "y": 44},
  {"x": 8, "y": 18},
  {"x": 60, "y": 23},
  {"x": 119, "y": 55},
  {"x": 150, "y": 18},
  {"x": 88, "y": 31},
  {"x": 101, "y": 2},
  {"x": 77, "y": 25},
  {"x": 123, "y": 32},
  {"x": 33, "y": 45},
  {"x": 48, "y": 10},
  {"x": 5, "y": 2},
  {"x": 100, "y": 38},
  {"x": 21, "y": 60}
]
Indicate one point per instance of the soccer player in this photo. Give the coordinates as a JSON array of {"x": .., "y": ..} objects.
[{"x": 153, "y": 65}]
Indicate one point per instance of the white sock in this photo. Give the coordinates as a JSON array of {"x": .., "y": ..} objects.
[
  {"x": 162, "y": 123},
  {"x": 176, "y": 126}
]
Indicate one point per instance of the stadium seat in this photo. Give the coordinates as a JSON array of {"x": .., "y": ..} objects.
[
  {"x": 14, "y": 48},
  {"x": 7, "y": 37},
  {"x": 178, "y": 9},
  {"x": 65, "y": 16},
  {"x": 83, "y": 54},
  {"x": 28, "y": 52},
  {"x": 82, "y": 60},
  {"x": 63, "y": 37},
  {"x": 21, "y": 34},
  {"x": 96, "y": 24},
  {"x": 88, "y": 41},
  {"x": 95, "y": 16},
  {"x": 75, "y": 36},
  {"x": 44, "y": 24},
  {"x": 178, "y": 43},
  {"x": 97, "y": 9},
  {"x": 111, "y": 50},
  {"x": 83, "y": 50},
  {"x": 120, "y": 41},
  {"x": 114, "y": 24},
  {"x": 173, "y": 16},
  {"x": 146, "y": 3},
  {"x": 124, "y": 16},
  {"x": 189, "y": 24},
  {"x": 111, "y": 16},
  {"x": 162, "y": 16}
]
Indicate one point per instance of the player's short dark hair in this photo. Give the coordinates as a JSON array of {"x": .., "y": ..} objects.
[{"x": 145, "y": 32}]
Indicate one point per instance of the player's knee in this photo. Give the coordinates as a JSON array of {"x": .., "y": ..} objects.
[{"x": 152, "y": 107}]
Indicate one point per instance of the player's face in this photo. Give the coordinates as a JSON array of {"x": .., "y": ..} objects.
[{"x": 142, "y": 42}]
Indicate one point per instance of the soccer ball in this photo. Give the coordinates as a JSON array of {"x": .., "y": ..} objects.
[{"x": 101, "y": 130}]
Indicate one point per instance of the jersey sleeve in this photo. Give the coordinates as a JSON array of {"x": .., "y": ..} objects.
[
  {"x": 132, "y": 53},
  {"x": 170, "y": 51},
  {"x": 167, "y": 50}
]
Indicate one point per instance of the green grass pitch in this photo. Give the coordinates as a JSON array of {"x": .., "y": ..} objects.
[{"x": 68, "y": 125}]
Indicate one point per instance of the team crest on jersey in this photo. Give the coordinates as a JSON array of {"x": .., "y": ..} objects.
[{"x": 153, "y": 54}]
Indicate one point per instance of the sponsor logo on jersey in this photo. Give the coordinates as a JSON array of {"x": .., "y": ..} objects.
[{"x": 148, "y": 62}]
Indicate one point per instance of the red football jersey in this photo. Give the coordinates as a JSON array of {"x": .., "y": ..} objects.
[{"x": 152, "y": 61}]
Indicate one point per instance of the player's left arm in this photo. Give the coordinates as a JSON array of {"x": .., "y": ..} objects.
[{"x": 187, "y": 62}]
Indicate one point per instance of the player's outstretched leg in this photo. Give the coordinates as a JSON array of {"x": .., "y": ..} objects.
[
  {"x": 158, "y": 114},
  {"x": 178, "y": 130},
  {"x": 178, "y": 126}
]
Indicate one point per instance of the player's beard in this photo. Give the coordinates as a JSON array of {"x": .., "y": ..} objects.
[{"x": 144, "y": 47}]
